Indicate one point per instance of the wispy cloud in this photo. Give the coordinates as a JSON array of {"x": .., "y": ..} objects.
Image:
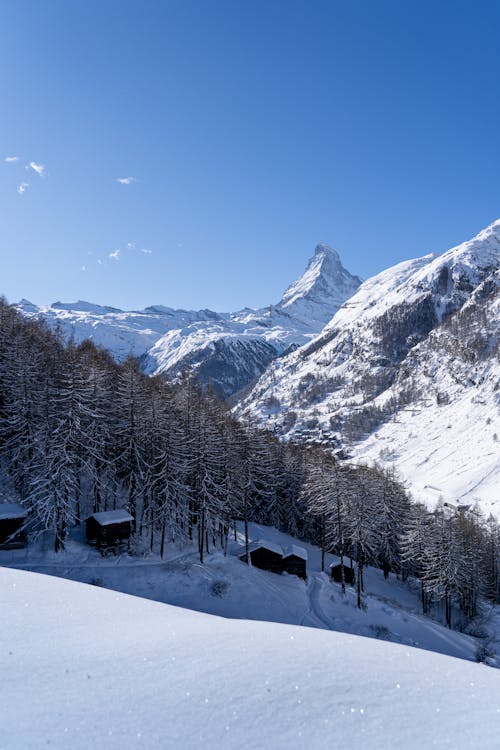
[
  {"x": 11, "y": 158},
  {"x": 146, "y": 251},
  {"x": 130, "y": 245},
  {"x": 23, "y": 187},
  {"x": 99, "y": 262},
  {"x": 38, "y": 168},
  {"x": 126, "y": 180},
  {"x": 83, "y": 268},
  {"x": 115, "y": 255}
]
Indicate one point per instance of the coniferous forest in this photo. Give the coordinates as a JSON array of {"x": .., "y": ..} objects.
[{"x": 80, "y": 433}]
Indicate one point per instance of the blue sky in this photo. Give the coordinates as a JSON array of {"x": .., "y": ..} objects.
[{"x": 252, "y": 130}]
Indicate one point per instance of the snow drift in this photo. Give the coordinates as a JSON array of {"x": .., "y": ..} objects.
[{"x": 89, "y": 668}]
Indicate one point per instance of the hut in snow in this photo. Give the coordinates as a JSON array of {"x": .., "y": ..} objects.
[
  {"x": 295, "y": 561},
  {"x": 270, "y": 556},
  {"x": 336, "y": 573},
  {"x": 264, "y": 555},
  {"x": 109, "y": 528},
  {"x": 12, "y": 522}
]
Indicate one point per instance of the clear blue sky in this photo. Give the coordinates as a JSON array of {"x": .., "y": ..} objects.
[{"x": 253, "y": 129}]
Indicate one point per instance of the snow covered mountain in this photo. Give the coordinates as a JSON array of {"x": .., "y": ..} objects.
[
  {"x": 407, "y": 373},
  {"x": 232, "y": 351},
  {"x": 120, "y": 332},
  {"x": 227, "y": 349}
]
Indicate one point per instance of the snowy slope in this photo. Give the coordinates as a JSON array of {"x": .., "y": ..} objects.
[
  {"x": 226, "y": 586},
  {"x": 407, "y": 372},
  {"x": 91, "y": 668},
  {"x": 228, "y": 349}
]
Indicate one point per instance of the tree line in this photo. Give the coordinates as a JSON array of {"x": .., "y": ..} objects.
[
  {"x": 453, "y": 553},
  {"x": 80, "y": 433}
]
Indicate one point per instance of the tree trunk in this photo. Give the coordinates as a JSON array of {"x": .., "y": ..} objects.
[
  {"x": 342, "y": 572},
  {"x": 201, "y": 540},
  {"x": 323, "y": 542},
  {"x": 162, "y": 541},
  {"x": 246, "y": 540},
  {"x": 358, "y": 583}
]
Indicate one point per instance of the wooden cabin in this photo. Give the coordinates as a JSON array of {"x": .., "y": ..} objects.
[
  {"x": 12, "y": 526},
  {"x": 265, "y": 555},
  {"x": 294, "y": 561},
  {"x": 336, "y": 573},
  {"x": 109, "y": 529}
]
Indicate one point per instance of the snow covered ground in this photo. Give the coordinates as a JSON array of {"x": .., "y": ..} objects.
[
  {"x": 86, "y": 668},
  {"x": 228, "y": 587},
  {"x": 429, "y": 452}
]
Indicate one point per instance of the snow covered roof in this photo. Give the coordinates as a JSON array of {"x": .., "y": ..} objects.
[
  {"x": 263, "y": 543},
  {"x": 108, "y": 517},
  {"x": 12, "y": 510},
  {"x": 295, "y": 550}
]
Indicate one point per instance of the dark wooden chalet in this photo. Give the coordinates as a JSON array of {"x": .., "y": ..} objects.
[
  {"x": 109, "y": 529},
  {"x": 294, "y": 561},
  {"x": 12, "y": 526},
  {"x": 265, "y": 555},
  {"x": 336, "y": 573}
]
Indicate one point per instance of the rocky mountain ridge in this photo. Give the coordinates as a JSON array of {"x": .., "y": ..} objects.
[{"x": 227, "y": 350}]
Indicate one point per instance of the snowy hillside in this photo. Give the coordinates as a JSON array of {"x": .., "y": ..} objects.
[
  {"x": 89, "y": 668},
  {"x": 406, "y": 373},
  {"x": 225, "y": 586},
  {"x": 228, "y": 349}
]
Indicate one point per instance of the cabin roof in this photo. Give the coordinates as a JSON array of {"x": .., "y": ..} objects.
[
  {"x": 337, "y": 565},
  {"x": 9, "y": 511},
  {"x": 109, "y": 517},
  {"x": 296, "y": 551},
  {"x": 264, "y": 544}
]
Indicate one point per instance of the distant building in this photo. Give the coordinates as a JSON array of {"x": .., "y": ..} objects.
[
  {"x": 458, "y": 508},
  {"x": 109, "y": 529},
  {"x": 12, "y": 526},
  {"x": 295, "y": 561},
  {"x": 270, "y": 556},
  {"x": 265, "y": 555},
  {"x": 336, "y": 573}
]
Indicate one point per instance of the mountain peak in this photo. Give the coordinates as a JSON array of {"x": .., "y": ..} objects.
[
  {"x": 325, "y": 281},
  {"x": 325, "y": 250}
]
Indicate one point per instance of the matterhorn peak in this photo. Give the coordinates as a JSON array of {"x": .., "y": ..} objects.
[
  {"x": 325, "y": 281},
  {"x": 322, "y": 249}
]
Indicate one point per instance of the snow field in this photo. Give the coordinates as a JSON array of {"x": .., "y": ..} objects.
[
  {"x": 93, "y": 668},
  {"x": 227, "y": 587}
]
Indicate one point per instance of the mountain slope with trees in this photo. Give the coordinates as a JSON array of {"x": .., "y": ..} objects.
[
  {"x": 81, "y": 433},
  {"x": 407, "y": 373}
]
